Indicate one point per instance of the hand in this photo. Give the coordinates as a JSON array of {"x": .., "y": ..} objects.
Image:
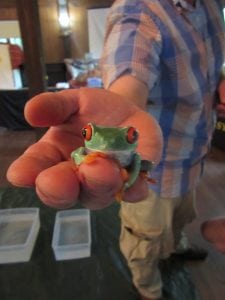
[
  {"x": 47, "y": 164},
  {"x": 221, "y": 105}
]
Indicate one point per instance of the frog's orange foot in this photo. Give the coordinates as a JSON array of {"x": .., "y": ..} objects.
[
  {"x": 151, "y": 180},
  {"x": 119, "y": 196},
  {"x": 93, "y": 156},
  {"x": 145, "y": 176},
  {"x": 124, "y": 174}
]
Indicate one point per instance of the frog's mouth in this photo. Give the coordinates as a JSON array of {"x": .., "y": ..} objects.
[{"x": 123, "y": 156}]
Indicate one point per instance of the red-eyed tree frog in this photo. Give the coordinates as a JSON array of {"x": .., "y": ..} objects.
[{"x": 117, "y": 143}]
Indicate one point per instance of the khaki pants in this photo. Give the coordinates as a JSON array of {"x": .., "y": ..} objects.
[{"x": 150, "y": 231}]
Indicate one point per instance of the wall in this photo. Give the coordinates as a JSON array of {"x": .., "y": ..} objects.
[
  {"x": 50, "y": 31},
  {"x": 8, "y": 13},
  {"x": 79, "y": 36},
  {"x": 53, "y": 42}
]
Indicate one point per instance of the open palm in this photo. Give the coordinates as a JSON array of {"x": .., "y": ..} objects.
[{"x": 47, "y": 165}]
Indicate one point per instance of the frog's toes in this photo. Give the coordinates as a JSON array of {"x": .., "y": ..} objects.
[
  {"x": 91, "y": 157},
  {"x": 119, "y": 196},
  {"x": 145, "y": 176},
  {"x": 124, "y": 174}
]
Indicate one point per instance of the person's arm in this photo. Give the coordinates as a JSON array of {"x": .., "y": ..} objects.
[
  {"x": 131, "y": 88},
  {"x": 130, "y": 63}
]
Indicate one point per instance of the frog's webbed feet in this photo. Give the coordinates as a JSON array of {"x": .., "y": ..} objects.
[
  {"x": 80, "y": 156},
  {"x": 91, "y": 157},
  {"x": 119, "y": 196},
  {"x": 145, "y": 176},
  {"x": 124, "y": 174},
  {"x": 133, "y": 171},
  {"x": 129, "y": 176},
  {"x": 125, "y": 177}
]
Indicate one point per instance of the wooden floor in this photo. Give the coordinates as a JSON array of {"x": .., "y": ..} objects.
[{"x": 209, "y": 275}]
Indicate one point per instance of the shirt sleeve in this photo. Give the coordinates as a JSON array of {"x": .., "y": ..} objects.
[{"x": 132, "y": 43}]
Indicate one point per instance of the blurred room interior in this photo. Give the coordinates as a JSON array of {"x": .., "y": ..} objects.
[{"x": 50, "y": 45}]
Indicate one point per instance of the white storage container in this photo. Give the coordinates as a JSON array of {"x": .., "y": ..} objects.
[
  {"x": 19, "y": 228},
  {"x": 72, "y": 234}
]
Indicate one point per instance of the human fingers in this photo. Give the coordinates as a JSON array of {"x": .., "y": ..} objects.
[
  {"x": 55, "y": 146},
  {"x": 87, "y": 105},
  {"x": 58, "y": 186},
  {"x": 75, "y": 108},
  {"x": 100, "y": 181},
  {"x": 137, "y": 192},
  {"x": 95, "y": 185},
  {"x": 39, "y": 156},
  {"x": 44, "y": 110},
  {"x": 50, "y": 109}
]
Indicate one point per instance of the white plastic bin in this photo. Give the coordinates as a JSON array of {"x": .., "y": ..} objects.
[
  {"x": 19, "y": 228},
  {"x": 72, "y": 234}
]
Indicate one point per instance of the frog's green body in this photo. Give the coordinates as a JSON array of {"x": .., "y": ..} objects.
[{"x": 118, "y": 143}]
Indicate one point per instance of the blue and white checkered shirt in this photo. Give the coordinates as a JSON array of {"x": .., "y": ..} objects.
[{"x": 177, "y": 50}]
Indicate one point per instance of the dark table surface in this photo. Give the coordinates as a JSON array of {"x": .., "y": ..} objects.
[{"x": 103, "y": 276}]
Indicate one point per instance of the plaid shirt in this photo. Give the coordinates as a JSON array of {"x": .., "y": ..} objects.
[{"x": 177, "y": 50}]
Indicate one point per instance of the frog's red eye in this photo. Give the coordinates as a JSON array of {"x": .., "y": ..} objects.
[
  {"x": 132, "y": 135},
  {"x": 87, "y": 132}
]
